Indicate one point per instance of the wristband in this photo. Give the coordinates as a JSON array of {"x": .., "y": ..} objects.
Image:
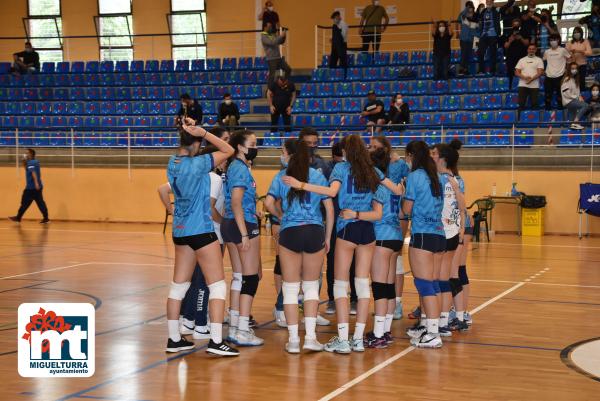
[
  {"x": 247, "y": 235},
  {"x": 302, "y": 186}
]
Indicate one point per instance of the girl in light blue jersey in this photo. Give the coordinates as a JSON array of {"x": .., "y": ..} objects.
[
  {"x": 356, "y": 183},
  {"x": 194, "y": 236},
  {"x": 303, "y": 240}
]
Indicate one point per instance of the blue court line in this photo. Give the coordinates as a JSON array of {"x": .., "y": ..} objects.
[
  {"x": 532, "y": 347},
  {"x": 140, "y": 370},
  {"x": 93, "y": 397}
]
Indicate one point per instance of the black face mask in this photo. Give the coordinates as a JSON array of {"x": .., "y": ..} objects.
[
  {"x": 218, "y": 171},
  {"x": 251, "y": 154},
  {"x": 378, "y": 157},
  {"x": 312, "y": 150}
]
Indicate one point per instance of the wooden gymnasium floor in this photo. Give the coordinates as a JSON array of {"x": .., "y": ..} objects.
[{"x": 531, "y": 298}]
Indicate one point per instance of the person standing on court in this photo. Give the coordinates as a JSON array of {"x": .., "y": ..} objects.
[
  {"x": 281, "y": 96},
  {"x": 373, "y": 22},
  {"x": 488, "y": 37},
  {"x": 339, "y": 42},
  {"x": 271, "y": 40},
  {"x": 33, "y": 188}
]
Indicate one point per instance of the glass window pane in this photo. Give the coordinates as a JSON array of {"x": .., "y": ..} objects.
[
  {"x": 45, "y": 28},
  {"x": 116, "y": 26},
  {"x": 116, "y": 54},
  {"x": 44, "y": 7},
  {"x": 50, "y": 55},
  {"x": 189, "y": 53},
  {"x": 187, "y": 5},
  {"x": 188, "y": 23},
  {"x": 575, "y": 6},
  {"x": 114, "y": 6}
]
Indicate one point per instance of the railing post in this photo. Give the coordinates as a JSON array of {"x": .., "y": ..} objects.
[
  {"x": 129, "y": 152},
  {"x": 592, "y": 155},
  {"x": 323, "y": 44},
  {"x": 442, "y": 134},
  {"x": 512, "y": 157},
  {"x": 316, "y": 46},
  {"x": 242, "y": 45},
  {"x": 17, "y": 151},
  {"x": 72, "y": 153}
]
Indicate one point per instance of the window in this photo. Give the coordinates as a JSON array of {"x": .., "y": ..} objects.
[
  {"x": 188, "y": 17},
  {"x": 115, "y": 27},
  {"x": 44, "y": 27}
]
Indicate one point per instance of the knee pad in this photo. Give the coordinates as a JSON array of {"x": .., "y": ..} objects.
[
  {"x": 340, "y": 289},
  {"x": 290, "y": 292},
  {"x": 445, "y": 286},
  {"x": 178, "y": 290},
  {"x": 362, "y": 288},
  {"x": 250, "y": 284},
  {"x": 424, "y": 287},
  {"x": 236, "y": 282},
  {"x": 462, "y": 275},
  {"x": 455, "y": 286},
  {"x": 379, "y": 290},
  {"x": 311, "y": 290},
  {"x": 399, "y": 265},
  {"x": 217, "y": 290},
  {"x": 391, "y": 291},
  {"x": 436, "y": 286},
  {"x": 277, "y": 267}
]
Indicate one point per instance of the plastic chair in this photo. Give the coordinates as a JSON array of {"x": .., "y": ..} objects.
[{"x": 483, "y": 205}]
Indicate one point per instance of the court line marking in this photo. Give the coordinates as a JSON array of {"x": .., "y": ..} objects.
[
  {"x": 406, "y": 351},
  {"x": 541, "y": 245},
  {"x": 82, "y": 264},
  {"x": 86, "y": 231}
]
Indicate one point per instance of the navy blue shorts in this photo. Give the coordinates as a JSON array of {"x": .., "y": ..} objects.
[
  {"x": 428, "y": 242},
  {"x": 468, "y": 230},
  {"x": 393, "y": 244},
  {"x": 452, "y": 243},
  {"x": 358, "y": 232},
  {"x": 231, "y": 233},
  {"x": 309, "y": 238},
  {"x": 196, "y": 241}
]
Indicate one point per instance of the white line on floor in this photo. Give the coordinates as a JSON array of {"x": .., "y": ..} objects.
[{"x": 82, "y": 264}]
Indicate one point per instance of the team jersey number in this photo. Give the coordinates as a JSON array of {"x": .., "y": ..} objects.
[
  {"x": 351, "y": 187},
  {"x": 395, "y": 203}
]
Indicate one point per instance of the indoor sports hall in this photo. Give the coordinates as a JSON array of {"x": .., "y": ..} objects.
[{"x": 423, "y": 174}]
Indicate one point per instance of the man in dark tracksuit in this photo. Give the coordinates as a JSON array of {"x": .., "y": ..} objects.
[{"x": 33, "y": 188}]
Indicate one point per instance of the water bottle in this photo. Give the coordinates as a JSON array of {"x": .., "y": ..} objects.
[
  {"x": 268, "y": 225},
  {"x": 494, "y": 189}
]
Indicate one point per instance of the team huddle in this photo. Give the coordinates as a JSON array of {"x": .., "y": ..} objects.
[{"x": 361, "y": 212}]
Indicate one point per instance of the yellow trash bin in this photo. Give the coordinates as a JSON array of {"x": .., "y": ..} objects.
[{"x": 532, "y": 222}]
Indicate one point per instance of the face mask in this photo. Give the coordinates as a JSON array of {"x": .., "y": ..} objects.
[
  {"x": 376, "y": 3},
  {"x": 442, "y": 29},
  {"x": 312, "y": 150},
  {"x": 399, "y": 101},
  {"x": 595, "y": 93},
  {"x": 516, "y": 28},
  {"x": 29, "y": 50},
  {"x": 251, "y": 154},
  {"x": 228, "y": 101},
  {"x": 270, "y": 8},
  {"x": 576, "y": 36},
  {"x": 282, "y": 160},
  {"x": 573, "y": 72},
  {"x": 554, "y": 44}
]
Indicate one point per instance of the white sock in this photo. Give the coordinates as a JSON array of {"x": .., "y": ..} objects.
[
  {"x": 444, "y": 319},
  {"x": 187, "y": 323},
  {"x": 234, "y": 316},
  {"x": 432, "y": 326},
  {"x": 243, "y": 323},
  {"x": 173, "y": 326},
  {"x": 378, "y": 326},
  {"x": 293, "y": 332},
  {"x": 343, "y": 329},
  {"x": 310, "y": 326},
  {"x": 460, "y": 315},
  {"x": 359, "y": 331},
  {"x": 388, "y": 323},
  {"x": 216, "y": 332},
  {"x": 398, "y": 300},
  {"x": 423, "y": 319}
]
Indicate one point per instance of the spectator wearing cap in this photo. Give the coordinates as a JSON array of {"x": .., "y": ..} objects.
[
  {"x": 281, "y": 96},
  {"x": 229, "y": 114},
  {"x": 271, "y": 40},
  {"x": 374, "y": 111},
  {"x": 27, "y": 61},
  {"x": 339, "y": 41}
]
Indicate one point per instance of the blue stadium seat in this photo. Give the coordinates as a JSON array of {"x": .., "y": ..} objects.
[
  {"x": 455, "y": 56},
  {"x": 156, "y": 108},
  {"x": 400, "y": 87},
  {"x": 107, "y": 122},
  {"x": 400, "y": 58},
  {"x": 77, "y": 67},
  {"x": 151, "y": 66},
  {"x": 421, "y": 119},
  {"x": 511, "y": 101},
  {"x": 524, "y": 137},
  {"x": 31, "y": 94},
  {"x": 303, "y": 120},
  {"x": 59, "y": 139},
  {"x": 418, "y": 57},
  {"x": 92, "y": 67},
  {"x": 382, "y": 88},
  {"x": 499, "y": 137},
  {"x": 182, "y": 65},
  {"x": 106, "y": 79},
  {"x": 143, "y": 121},
  {"x": 159, "y": 122},
  {"x": 167, "y": 66},
  {"x": 553, "y": 115},
  {"x": 139, "y": 93},
  {"x": 314, "y": 105},
  {"x": 91, "y": 122},
  {"x": 29, "y": 122},
  {"x": 530, "y": 116},
  {"x": 451, "y": 103},
  {"x": 431, "y": 103},
  {"x": 62, "y": 80},
  {"x": 381, "y": 59},
  {"x": 107, "y": 108},
  {"x": 472, "y": 102},
  {"x": 439, "y": 87},
  {"x": 455, "y": 134},
  {"x": 260, "y": 63},
  {"x": 414, "y": 103},
  {"x": 248, "y": 77},
  {"x": 372, "y": 73},
  {"x": 352, "y": 105},
  {"x": 198, "y": 65},
  {"x": 320, "y": 74},
  {"x": 425, "y": 72},
  {"x": 92, "y": 108},
  {"x": 322, "y": 120},
  {"x": 139, "y": 108},
  {"x": 418, "y": 87},
  {"x": 485, "y": 118},
  {"x": 507, "y": 116},
  {"x": 245, "y": 63},
  {"x": 408, "y": 136},
  {"x": 136, "y": 66},
  {"x": 477, "y": 137},
  {"x": 15, "y": 94},
  {"x": 63, "y": 67},
  {"x": 354, "y": 74},
  {"x": 325, "y": 90},
  {"x": 333, "y": 105},
  {"x": 432, "y": 137},
  {"x": 167, "y": 78},
  {"x": 213, "y": 64},
  {"x": 59, "y": 108},
  {"x": 492, "y": 101},
  {"x": 123, "y": 108},
  {"x": 363, "y": 59},
  {"x": 75, "y": 108},
  {"x": 325, "y": 60},
  {"x": 500, "y": 84},
  {"x": 107, "y": 67},
  {"x": 46, "y": 80},
  {"x": 156, "y": 92},
  {"x": 230, "y": 63},
  {"x": 205, "y": 92},
  {"x": 76, "y": 79},
  {"x": 362, "y": 88},
  {"x": 29, "y": 80},
  {"x": 442, "y": 118},
  {"x": 152, "y": 79},
  {"x": 125, "y": 121},
  {"x": 123, "y": 93},
  {"x": 244, "y": 106},
  {"x": 28, "y": 108},
  {"x": 172, "y": 107},
  {"x": 271, "y": 140},
  {"x": 48, "y": 68},
  {"x": 479, "y": 85},
  {"x": 254, "y": 91},
  {"x": 343, "y": 89},
  {"x": 299, "y": 106},
  {"x": 107, "y": 93},
  {"x": 591, "y": 137},
  {"x": 122, "y": 66},
  {"x": 464, "y": 118},
  {"x": 75, "y": 121}
]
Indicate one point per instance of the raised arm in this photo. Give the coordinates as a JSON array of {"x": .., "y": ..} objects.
[
  {"x": 163, "y": 194},
  {"x": 397, "y": 189},
  {"x": 331, "y": 191},
  {"x": 224, "y": 149}
]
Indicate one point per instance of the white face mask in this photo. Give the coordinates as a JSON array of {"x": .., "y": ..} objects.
[
  {"x": 399, "y": 101},
  {"x": 376, "y": 3},
  {"x": 595, "y": 93},
  {"x": 228, "y": 101},
  {"x": 283, "y": 160},
  {"x": 270, "y": 8},
  {"x": 576, "y": 36},
  {"x": 442, "y": 29},
  {"x": 573, "y": 72},
  {"x": 554, "y": 44}
]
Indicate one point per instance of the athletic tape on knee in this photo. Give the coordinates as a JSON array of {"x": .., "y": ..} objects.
[
  {"x": 445, "y": 286},
  {"x": 290, "y": 292},
  {"x": 340, "y": 289},
  {"x": 424, "y": 287},
  {"x": 217, "y": 290},
  {"x": 178, "y": 290},
  {"x": 249, "y": 284},
  {"x": 236, "y": 282},
  {"x": 277, "y": 267},
  {"x": 391, "y": 291},
  {"x": 379, "y": 290},
  {"x": 436, "y": 286},
  {"x": 311, "y": 290},
  {"x": 399, "y": 265},
  {"x": 462, "y": 275},
  {"x": 455, "y": 286},
  {"x": 362, "y": 287}
]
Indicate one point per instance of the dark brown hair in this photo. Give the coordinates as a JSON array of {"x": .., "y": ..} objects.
[
  {"x": 382, "y": 157},
  {"x": 298, "y": 165},
  {"x": 422, "y": 159},
  {"x": 361, "y": 166}
]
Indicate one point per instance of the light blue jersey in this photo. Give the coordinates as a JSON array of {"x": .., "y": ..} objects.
[
  {"x": 190, "y": 182},
  {"x": 397, "y": 171},
  {"x": 427, "y": 209},
  {"x": 239, "y": 176},
  {"x": 461, "y": 186},
  {"x": 349, "y": 197},
  {"x": 299, "y": 213},
  {"x": 388, "y": 228}
]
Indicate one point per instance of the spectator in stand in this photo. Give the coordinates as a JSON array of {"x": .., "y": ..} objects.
[
  {"x": 33, "y": 188},
  {"x": 529, "y": 70},
  {"x": 229, "y": 114},
  {"x": 530, "y": 21},
  {"x": 27, "y": 61},
  {"x": 594, "y": 103},
  {"x": 556, "y": 59},
  {"x": 467, "y": 24},
  {"x": 373, "y": 22},
  {"x": 571, "y": 96},
  {"x": 580, "y": 49},
  {"x": 593, "y": 23},
  {"x": 489, "y": 25},
  {"x": 546, "y": 28},
  {"x": 515, "y": 48},
  {"x": 442, "y": 33},
  {"x": 339, "y": 41},
  {"x": 190, "y": 111},
  {"x": 271, "y": 40},
  {"x": 374, "y": 111},
  {"x": 399, "y": 114},
  {"x": 508, "y": 13},
  {"x": 269, "y": 16},
  {"x": 281, "y": 96}
]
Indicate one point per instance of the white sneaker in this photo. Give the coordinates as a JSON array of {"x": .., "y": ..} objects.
[
  {"x": 311, "y": 344},
  {"x": 416, "y": 331},
  {"x": 357, "y": 345},
  {"x": 576, "y": 126},
  {"x": 201, "y": 334},
  {"x": 186, "y": 327},
  {"x": 279, "y": 317},
  {"x": 293, "y": 347},
  {"x": 427, "y": 340},
  {"x": 338, "y": 346},
  {"x": 321, "y": 321},
  {"x": 248, "y": 338}
]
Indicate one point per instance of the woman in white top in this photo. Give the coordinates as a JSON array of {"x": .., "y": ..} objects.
[{"x": 571, "y": 96}]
